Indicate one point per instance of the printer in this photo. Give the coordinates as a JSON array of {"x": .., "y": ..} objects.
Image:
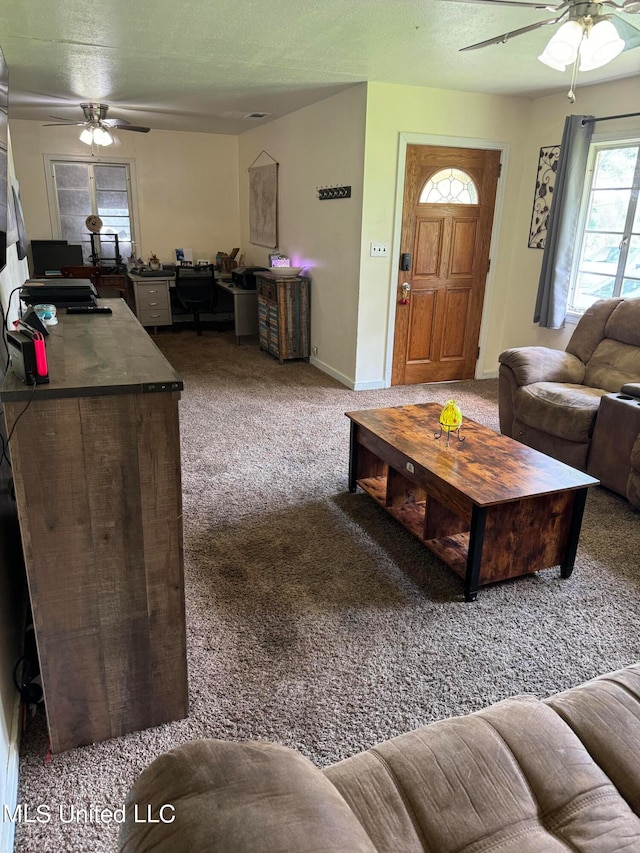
[
  {"x": 61, "y": 292},
  {"x": 245, "y": 277}
]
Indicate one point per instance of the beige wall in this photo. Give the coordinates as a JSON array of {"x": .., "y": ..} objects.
[
  {"x": 193, "y": 190},
  {"x": 452, "y": 118},
  {"x": 321, "y": 145},
  {"x": 544, "y": 127},
  {"x": 187, "y": 185}
]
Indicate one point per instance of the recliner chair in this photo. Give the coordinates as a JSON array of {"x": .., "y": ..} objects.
[{"x": 549, "y": 399}]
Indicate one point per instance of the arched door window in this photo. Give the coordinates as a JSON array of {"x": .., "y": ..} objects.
[{"x": 449, "y": 186}]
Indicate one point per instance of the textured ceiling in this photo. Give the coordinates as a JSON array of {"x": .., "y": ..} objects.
[{"x": 202, "y": 65}]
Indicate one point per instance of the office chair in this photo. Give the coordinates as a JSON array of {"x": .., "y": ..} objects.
[{"x": 195, "y": 292}]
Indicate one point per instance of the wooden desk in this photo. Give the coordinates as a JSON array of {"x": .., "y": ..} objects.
[
  {"x": 96, "y": 467},
  {"x": 245, "y": 309},
  {"x": 152, "y": 295}
]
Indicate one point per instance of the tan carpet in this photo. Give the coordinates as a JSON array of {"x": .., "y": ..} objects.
[{"x": 313, "y": 619}]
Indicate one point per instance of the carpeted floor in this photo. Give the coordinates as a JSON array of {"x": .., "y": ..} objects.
[{"x": 314, "y": 619}]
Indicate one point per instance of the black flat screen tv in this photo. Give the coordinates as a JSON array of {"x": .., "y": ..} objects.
[{"x": 4, "y": 156}]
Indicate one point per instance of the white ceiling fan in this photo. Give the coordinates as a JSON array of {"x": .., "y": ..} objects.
[
  {"x": 97, "y": 127},
  {"x": 591, "y": 33}
]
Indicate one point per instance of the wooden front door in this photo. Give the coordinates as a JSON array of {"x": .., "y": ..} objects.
[{"x": 447, "y": 216}]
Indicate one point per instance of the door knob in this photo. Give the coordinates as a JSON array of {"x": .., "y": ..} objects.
[{"x": 405, "y": 289}]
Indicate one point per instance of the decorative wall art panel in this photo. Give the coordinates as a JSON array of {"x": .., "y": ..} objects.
[
  {"x": 263, "y": 205},
  {"x": 547, "y": 168}
]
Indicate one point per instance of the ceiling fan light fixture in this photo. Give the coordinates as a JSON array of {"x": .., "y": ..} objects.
[
  {"x": 600, "y": 45},
  {"x": 563, "y": 46},
  {"x": 96, "y": 135},
  {"x": 87, "y": 136},
  {"x": 102, "y": 136}
]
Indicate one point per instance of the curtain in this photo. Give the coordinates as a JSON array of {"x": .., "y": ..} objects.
[{"x": 562, "y": 228}]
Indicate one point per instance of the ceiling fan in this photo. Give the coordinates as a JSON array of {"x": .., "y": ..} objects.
[
  {"x": 97, "y": 126},
  {"x": 591, "y": 33}
]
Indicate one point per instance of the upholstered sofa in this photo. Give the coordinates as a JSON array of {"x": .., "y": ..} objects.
[
  {"x": 525, "y": 775},
  {"x": 549, "y": 399}
]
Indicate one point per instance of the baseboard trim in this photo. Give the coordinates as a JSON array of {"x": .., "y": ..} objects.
[
  {"x": 10, "y": 783},
  {"x": 325, "y": 368},
  {"x": 371, "y": 385}
]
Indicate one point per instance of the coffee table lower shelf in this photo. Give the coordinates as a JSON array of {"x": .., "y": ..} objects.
[
  {"x": 452, "y": 550},
  {"x": 482, "y": 544}
]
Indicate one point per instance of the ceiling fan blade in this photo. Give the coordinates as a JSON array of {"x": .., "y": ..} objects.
[
  {"x": 629, "y": 33},
  {"x": 131, "y": 127},
  {"x": 502, "y": 39},
  {"x": 629, "y": 7},
  {"x": 92, "y": 111}
]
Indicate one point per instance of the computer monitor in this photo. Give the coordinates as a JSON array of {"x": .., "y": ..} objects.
[{"x": 49, "y": 256}]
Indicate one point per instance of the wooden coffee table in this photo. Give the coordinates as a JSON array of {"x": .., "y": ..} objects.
[{"x": 489, "y": 507}]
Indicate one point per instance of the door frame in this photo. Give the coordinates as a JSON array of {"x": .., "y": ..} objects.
[{"x": 405, "y": 139}]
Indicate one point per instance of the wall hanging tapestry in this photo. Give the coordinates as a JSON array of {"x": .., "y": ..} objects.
[{"x": 263, "y": 204}]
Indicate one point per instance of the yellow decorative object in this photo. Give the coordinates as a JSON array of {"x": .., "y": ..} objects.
[
  {"x": 451, "y": 416},
  {"x": 450, "y": 420}
]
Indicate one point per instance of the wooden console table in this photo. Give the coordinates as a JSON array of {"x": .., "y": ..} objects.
[
  {"x": 489, "y": 507},
  {"x": 96, "y": 468}
]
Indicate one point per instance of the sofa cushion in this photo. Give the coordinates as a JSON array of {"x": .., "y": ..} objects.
[
  {"x": 624, "y": 323},
  {"x": 511, "y": 777},
  {"x": 591, "y": 328},
  {"x": 564, "y": 410},
  {"x": 605, "y": 714},
  {"x": 573, "y": 453},
  {"x": 224, "y": 796},
  {"x": 613, "y": 364},
  {"x": 537, "y": 364}
]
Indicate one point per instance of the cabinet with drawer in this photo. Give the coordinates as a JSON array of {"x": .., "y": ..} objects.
[
  {"x": 283, "y": 315},
  {"x": 152, "y": 300}
]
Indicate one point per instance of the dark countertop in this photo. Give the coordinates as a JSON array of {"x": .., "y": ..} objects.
[{"x": 96, "y": 355}]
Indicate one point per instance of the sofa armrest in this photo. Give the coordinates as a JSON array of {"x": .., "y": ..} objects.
[
  {"x": 237, "y": 797},
  {"x": 632, "y": 388},
  {"x": 542, "y": 364}
]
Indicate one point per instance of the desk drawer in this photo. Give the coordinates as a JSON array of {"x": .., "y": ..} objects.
[
  {"x": 268, "y": 289},
  {"x": 155, "y": 317},
  {"x": 152, "y": 288},
  {"x": 154, "y": 300},
  {"x": 118, "y": 281}
]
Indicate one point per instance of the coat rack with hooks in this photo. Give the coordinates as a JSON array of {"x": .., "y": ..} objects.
[{"x": 326, "y": 193}]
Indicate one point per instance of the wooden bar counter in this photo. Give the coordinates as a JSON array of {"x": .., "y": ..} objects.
[{"x": 96, "y": 465}]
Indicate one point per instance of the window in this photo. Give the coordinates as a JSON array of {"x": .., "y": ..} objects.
[
  {"x": 608, "y": 263},
  {"x": 449, "y": 186},
  {"x": 103, "y": 189}
]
